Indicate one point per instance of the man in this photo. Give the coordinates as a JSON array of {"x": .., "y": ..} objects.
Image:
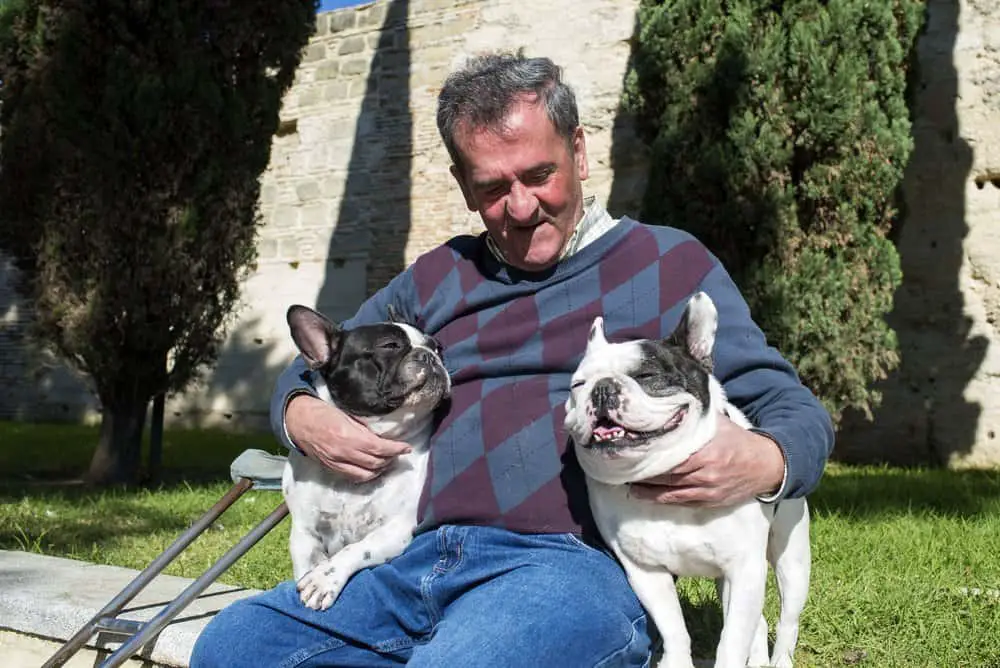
[{"x": 505, "y": 568}]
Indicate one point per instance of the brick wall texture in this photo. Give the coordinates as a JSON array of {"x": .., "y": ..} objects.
[{"x": 358, "y": 186}]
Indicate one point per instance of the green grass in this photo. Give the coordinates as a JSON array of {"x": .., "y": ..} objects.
[{"x": 906, "y": 563}]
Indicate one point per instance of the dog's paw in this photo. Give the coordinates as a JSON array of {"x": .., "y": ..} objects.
[{"x": 319, "y": 588}]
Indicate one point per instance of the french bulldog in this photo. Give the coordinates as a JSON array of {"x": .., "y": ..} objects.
[
  {"x": 390, "y": 377},
  {"x": 636, "y": 410}
]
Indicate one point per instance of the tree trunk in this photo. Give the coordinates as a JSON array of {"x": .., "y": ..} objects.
[
  {"x": 156, "y": 437},
  {"x": 118, "y": 457}
]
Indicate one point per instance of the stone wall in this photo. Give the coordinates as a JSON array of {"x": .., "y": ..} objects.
[
  {"x": 943, "y": 403},
  {"x": 358, "y": 187}
]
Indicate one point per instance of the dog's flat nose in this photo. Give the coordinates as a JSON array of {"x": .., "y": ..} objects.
[{"x": 604, "y": 396}]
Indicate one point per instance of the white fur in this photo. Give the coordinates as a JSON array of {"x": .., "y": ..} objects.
[
  {"x": 340, "y": 527},
  {"x": 657, "y": 541}
]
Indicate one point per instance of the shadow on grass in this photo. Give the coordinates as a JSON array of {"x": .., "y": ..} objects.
[
  {"x": 47, "y": 457},
  {"x": 102, "y": 517},
  {"x": 882, "y": 491}
]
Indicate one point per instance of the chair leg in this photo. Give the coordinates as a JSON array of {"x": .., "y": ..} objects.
[
  {"x": 164, "y": 617},
  {"x": 73, "y": 645}
]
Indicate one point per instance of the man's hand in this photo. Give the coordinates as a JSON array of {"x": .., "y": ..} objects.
[
  {"x": 338, "y": 442},
  {"x": 733, "y": 467}
]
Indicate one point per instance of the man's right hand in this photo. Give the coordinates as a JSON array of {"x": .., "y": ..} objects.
[{"x": 338, "y": 442}]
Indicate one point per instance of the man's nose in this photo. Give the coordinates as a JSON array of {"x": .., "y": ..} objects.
[{"x": 522, "y": 205}]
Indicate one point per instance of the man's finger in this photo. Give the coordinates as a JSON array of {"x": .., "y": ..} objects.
[
  {"x": 383, "y": 447},
  {"x": 689, "y": 495},
  {"x": 355, "y": 473}
]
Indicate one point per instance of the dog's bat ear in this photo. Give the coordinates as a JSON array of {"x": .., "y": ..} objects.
[
  {"x": 393, "y": 314},
  {"x": 317, "y": 338},
  {"x": 596, "y": 336},
  {"x": 696, "y": 330}
]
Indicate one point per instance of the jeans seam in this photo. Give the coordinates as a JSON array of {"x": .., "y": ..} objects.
[
  {"x": 626, "y": 647},
  {"x": 307, "y": 653}
]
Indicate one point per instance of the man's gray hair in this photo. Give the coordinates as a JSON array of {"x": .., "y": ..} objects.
[{"x": 481, "y": 94}]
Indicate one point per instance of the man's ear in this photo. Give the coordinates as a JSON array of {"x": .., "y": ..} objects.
[
  {"x": 459, "y": 175},
  {"x": 317, "y": 338},
  {"x": 580, "y": 153}
]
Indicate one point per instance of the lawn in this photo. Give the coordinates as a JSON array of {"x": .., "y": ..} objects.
[{"x": 906, "y": 562}]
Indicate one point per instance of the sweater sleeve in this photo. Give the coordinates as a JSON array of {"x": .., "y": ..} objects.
[
  {"x": 765, "y": 386},
  {"x": 296, "y": 378}
]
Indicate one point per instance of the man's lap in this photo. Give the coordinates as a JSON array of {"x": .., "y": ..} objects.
[{"x": 457, "y": 594}]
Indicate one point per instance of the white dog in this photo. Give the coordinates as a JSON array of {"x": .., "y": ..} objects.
[
  {"x": 638, "y": 409},
  {"x": 390, "y": 377}
]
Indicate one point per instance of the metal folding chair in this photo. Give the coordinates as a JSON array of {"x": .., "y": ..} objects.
[{"x": 252, "y": 469}]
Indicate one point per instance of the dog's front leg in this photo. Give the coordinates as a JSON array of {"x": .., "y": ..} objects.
[
  {"x": 320, "y": 587},
  {"x": 758, "y": 648},
  {"x": 657, "y": 592},
  {"x": 743, "y": 604}
]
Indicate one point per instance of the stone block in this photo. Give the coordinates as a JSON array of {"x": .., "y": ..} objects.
[
  {"x": 341, "y": 20},
  {"x": 307, "y": 190},
  {"x": 328, "y": 70},
  {"x": 354, "y": 67},
  {"x": 336, "y": 90},
  {"x": 315, "y": 215},
  {"x": 372, "y": 16},
  {"x": 351, "y": 45},
  {"x": 314, "y": 52},
  {"x": 267, "y": 249},
  {"x": 286, "y": 217}
]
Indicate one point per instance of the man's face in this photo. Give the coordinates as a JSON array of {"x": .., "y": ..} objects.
[{"x": 524, "y": 180}]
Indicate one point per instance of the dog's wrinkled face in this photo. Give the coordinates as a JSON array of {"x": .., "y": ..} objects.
[
  {"x": 636, "y": 406},
  {"x": 372, "y": 370}
]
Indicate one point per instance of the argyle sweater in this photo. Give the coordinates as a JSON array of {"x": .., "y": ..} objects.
[{"x": 512, "y": 339}]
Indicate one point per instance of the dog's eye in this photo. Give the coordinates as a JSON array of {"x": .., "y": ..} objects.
[
  {"x": 578, "y": 384},
  {"x": 389, "y": 345}
]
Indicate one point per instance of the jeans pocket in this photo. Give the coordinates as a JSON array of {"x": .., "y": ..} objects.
[{"x": 575, "y": 541}]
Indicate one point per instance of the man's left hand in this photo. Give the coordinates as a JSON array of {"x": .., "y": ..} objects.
[{"x": 733, "y": 467}]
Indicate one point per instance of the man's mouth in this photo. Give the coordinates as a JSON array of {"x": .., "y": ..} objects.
[{"x": 608, "y": 432}]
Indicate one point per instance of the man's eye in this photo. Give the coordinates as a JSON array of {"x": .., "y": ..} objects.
[
  {"x": 537, "y": 178},
  {"x": 493, "y": 191}
]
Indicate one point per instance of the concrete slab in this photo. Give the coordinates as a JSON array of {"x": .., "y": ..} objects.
[
  {"x": 18, "y": 650},
  {"x": 50, "y": 598}
]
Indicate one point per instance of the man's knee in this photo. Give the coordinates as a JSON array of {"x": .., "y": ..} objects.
[
  {"x": 607, "y": 637},
  {"x": 229, "y": 638}
]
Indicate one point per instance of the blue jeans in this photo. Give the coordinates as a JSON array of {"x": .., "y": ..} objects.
[{"x": 458, "y": 596}]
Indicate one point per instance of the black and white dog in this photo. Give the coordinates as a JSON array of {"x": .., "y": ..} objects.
[
  {"x": 389, "y": 376},
  {"x": 638, "y": 409}
]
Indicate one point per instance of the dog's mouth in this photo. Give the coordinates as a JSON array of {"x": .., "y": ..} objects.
[{"x": 607, "y": 432}]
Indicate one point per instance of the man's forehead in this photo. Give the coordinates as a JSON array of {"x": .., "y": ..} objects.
[{"x": 520, "y": 120}]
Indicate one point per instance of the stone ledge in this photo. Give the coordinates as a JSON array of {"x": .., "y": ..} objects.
[{"x": 50, "y": 598}]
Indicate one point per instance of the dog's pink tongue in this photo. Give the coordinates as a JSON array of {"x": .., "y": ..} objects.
[{"x": 603, "y": 432}]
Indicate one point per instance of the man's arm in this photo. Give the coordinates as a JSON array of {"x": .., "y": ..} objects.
[
  {"x": 765, "y": 386},
  {"x": 786, "y": 452}
]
